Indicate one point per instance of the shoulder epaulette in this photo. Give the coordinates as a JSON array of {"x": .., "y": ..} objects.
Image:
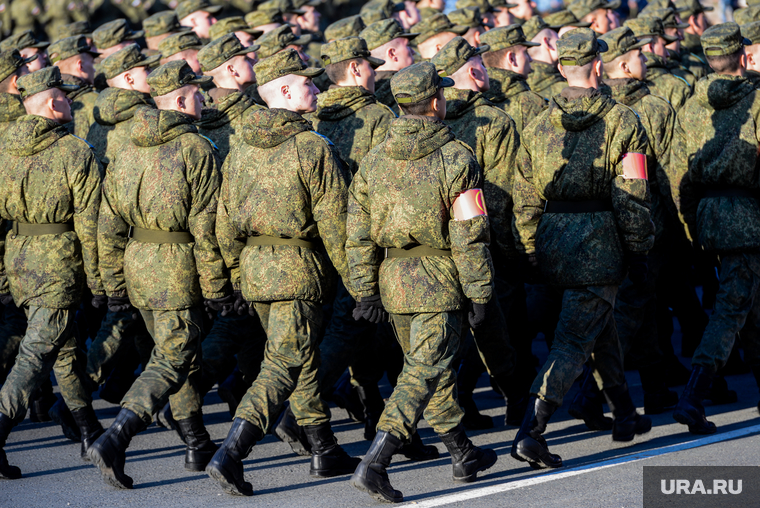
[
  {"x": 88, "y": 143},
  {"x": 679, "y": 77},
  {"x": 327, "y": 140},
  {"x": 213, "y": 145},
  {"x": 631, "y": 109},
  {"x": 661, "y": 97}
]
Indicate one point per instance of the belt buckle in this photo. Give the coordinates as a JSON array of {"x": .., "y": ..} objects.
[{"x": 131, "y": 231}]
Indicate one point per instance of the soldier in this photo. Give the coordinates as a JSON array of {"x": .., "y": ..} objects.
[
  {"x": 282, "y": 38},
  {"x": 747, "y": 15},
  {"x": 160, "y": 26},
  {"x": 182, "y": 47},
  {"x": 523, "y": 11},
  {"x": 484, "y": 6},
  {"x": 198, "y": 15},
  {"x": 562, "y": 20},
  {"x": 235, "y": 25},
  {"x": 280, "y": 268},
  {"x": 751, "y": 31},
  {"x": 60, "y": 13},
  {"x": 406, "y": 13},
  {"x": 345, "y": 27},
  {"x": 113, "y": 36},
  {"x": 674, "y": 30},
  {"x": 387, "y": 41},
  {"x": 508, "y": 64},
  {"x": 12, "y": 67},
  {"x": 165, "y": 268},
  {"x": 264, "y": 20},
  {"x": 713, "y": 161},
  {"x": 51, "y": 194},
  {"x": 471, "y": 18},
  {"x": 692, "y": 56},
  {"x": 76, "y": 60},
  {"x": 597, "y": 12},
  {"x": 28, "y": 46},
  {"x": 434, "y": 32},
  {"x": 501, "y": 14},
  {"x": 421, "y": 169},
  {"x": 544, "y": 77},
  {"x": 577, "y": 191}
]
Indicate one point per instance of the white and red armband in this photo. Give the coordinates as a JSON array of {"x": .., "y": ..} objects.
[
  {"x": 635, "y": 166},
  {"x": 469, "y": 204}
]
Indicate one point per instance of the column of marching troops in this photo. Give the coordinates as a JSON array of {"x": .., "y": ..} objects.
[{"x": 198, "y": 212}]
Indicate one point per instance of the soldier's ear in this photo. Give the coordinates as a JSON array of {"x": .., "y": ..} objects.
[
  {"x": 562, "y": 70},
  {"x": 180, "y": 102},
  {"x": 391, "y": 54}
]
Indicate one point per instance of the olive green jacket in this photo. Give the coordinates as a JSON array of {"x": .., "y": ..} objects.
[
  {"x": 661, "y": 82},
  {"x": 693, "y": 56},
  {"x": 383, "y": 90},
  {"x": 11, "y": 108},
  {"x": 82, "y": 105},
  {"x": 674, "y": 65},
  {"x": 510, "y": 92},
  {"x": 222, "y": 123},
  {"x": 545, "y": 79}
]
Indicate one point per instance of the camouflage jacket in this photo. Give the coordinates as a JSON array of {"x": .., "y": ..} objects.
[
  {"x": 222, "y": 123},
  {"x": 661, "y": 82},
  {"x": 49, "y": 177},
  {"x": 545, "y": 79},
  {"x": 573, "y": 152},
  {"x": 383, "y": 91},
  {"x": 284, "y": 180},
  {"x": 113, "y": 114},
  {"x": 353, "y": 120},
  {"x": 715, "y": 147},
  {"x": 753, "y": 77},
  {"x": 510, "y": 92},
  {"x": 82, "y": 106},
  {"x": 493, "y": 138},
  {"x": 166, "y": 179},
  {"x": 11, "y": 108},
  {"x": 693, "y": 56},
  {"x": 402, "y": 196},
  {"x": 674, "y": 65}
]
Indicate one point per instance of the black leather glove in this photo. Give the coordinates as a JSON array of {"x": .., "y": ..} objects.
[
  {"x": 6, "y": 299},
  {"x": 637, "y": 267},
  {"x": 99, "y": 301},
  {"x": 240, "y": 306},
  {"x": 224, "y": 305},
  {"x": 477, "y": 314},
  {"x": 372, "y": 309},
  {"x": 118, "y": 303}
]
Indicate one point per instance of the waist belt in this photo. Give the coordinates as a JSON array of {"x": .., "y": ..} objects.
[
  {"x": 22, "y": 229},
  {"x": 420, "y": 251},
  {"x": 273, "y": 240},
  {"x": 592, "y": 205},
  {"x": 734, "y": 192},
  {"x": 156, "y": 236}
]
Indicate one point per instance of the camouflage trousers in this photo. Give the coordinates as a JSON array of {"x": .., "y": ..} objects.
[
  {"x": 49, "y": 344},
  {"x": 737, "y": 310},
  {"x": 12, "y": 330},
  {"x": 427, "y": 383},
  {"x": 585, "y": 332},
  {"x": 289, "y": 369},
  {"x": 114, "y": 341},
  {"x": 492, "y": 337},
  {"x": 175, "y": 359}
]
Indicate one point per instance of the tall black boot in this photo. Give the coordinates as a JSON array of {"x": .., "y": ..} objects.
[
  {"x": 200, "y": 447},
  {"x": 588, "y": 405},
  {"x": 108, "y": 452},
  {"x": 288, "y": 431},
  {"x": 529, "y": 444},
  {"x": 628, "y": 422},
  {"x": 43, "y": 400},
  {"x": 373, "y": 403},
  {"x": 89, "y": 427},
  {"x": 689, "y": 409},
  {"x": 515, "y": 394},
  {"x": 467, "y": 459},
  {"x": 61, "y": 415},
  {"x": 657, "y": 397},
  {"x": 7, "y": 472},
  {"x": 226, "y": 467},
  {"x": 371, "y": 475},
  {"x": 418, "y": 451},
  {"x": 719, "y": 392},
  {"x": 328, "y": 459},
  {"x": 232, "y": 390},
  {"x": 165, "y": 418},
  {"x": 467, "y": 380}
]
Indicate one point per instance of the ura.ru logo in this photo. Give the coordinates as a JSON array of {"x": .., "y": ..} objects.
[{"x": 698, "y": 487}]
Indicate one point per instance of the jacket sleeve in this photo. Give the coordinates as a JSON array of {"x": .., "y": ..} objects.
[
  {"x": 362, "y": 253},
  {"x": 4, "y": 287},
  {"x": 528, "y": 205},
  {"x": 113, "y": 234},
  {"x": 85, "y": 184},
  {"x": 231, "y": 244},
  {"x": 681, "y": 187}
]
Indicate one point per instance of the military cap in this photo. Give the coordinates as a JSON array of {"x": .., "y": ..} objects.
[
  {"x": 506, "y": 37},
  {"x": 501, "y": 4},
  {"x": 454, "y": 55},
  {"x": 264, "y": 17},
  {"x": 582, "y": 8},
  {"x": 284, "y": 6},
  {"x": 161, "y": 23},
  {"x": 435, "y": 25},
  {"x": 752, "y": 3},
  {"x": 281, "y": 64},
  {"x": 10, "y": 60},
  {"x": 747, "y": 15},
  {"x": 114, "y": 32},
  {"x": 483, "y": 5},
  {"x": 579, "y": 47},
  {"x": 469, "y": 17},
  {"x": 689, "y": 8},
  {"x": 279, "y": 39},
  {"x": 69, "y": 47},
  {"x": 374, "y": 11},
  {"x": 231, "y": 25},
  {"x": 346, "y": 27},
  {"x": 426, "y": 12},
  {"x": 648, "y": 26},
  {"x": 75, "y": 28},
  {"x": 419, "y": 81},
  {"x": 179, "y": 42},
  {"x": 41, "y": 80},
  {"x": 620, "y": 41},
  {"x": 172, "y": 76},
  {"x": 723, "y": 39},
  {"x": 187, "y": 7},
  {"x": 661, "y": 4},
  {"x": 534, "y": 25},
  {"x": 383, "y": 32},
  {"x": 751, "y": 31},
  {"x": 559, "y": 19},
  {"x": 347, "y": 49},
  {"x": 668, "y": 17},
  {"x": 303, "y": 3},
  {"x": 218, "y": 51},
  {"x": 126, "y": 59},
  {"x": 22, "y": 40}
]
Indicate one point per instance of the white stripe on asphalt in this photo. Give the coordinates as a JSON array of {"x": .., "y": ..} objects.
[{"x": 627, "y": 459}]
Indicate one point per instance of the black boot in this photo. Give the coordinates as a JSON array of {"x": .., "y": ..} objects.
[
  {"x": 529, "y": 445},
  {"x": 657, "y": 397},
  {"x": 109, "y": 450},
  {"x": 288, "y": 431},
  {"x": 61, "y": 415},
  {"x": 232, "y": 390},
  {"x": 417, "y": 450},
  {"x": 467, "y": 380},
  {"x": 200, "y": 447},
  {"x": 42, "y": 402},
  {"x": 226, "y": 467},
  {"x": 7, "y": 472},
  {"x": 467, "y": 459},
  {"x": 120, "y": 380},
  {"x": 89, "y": 427},
  {"x": 373, "y": 407},
  {"x": 344, "y": 396},
  {"x": 165, "y": 418},
  {"x": 371, "y": 475},
  {"x": 719, "y": 392},
  {"x": 689, "y": 409},
  {"x": 328, "y": 459},
  {"x": 628, "y": 422},
  {"x": 516, "y": 395},
  {"x": 588, "y": 405}
]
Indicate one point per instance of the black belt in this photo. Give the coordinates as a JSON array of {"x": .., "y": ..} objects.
[
  {"x": 156, "y": 236},
  {"x": 589, "y": 206},
  {"x": 273, "y": 240},
  {"x": 419, "y": 251},
  {"x": 23, "y": 229},
  {"x": 731, "y": 192}
]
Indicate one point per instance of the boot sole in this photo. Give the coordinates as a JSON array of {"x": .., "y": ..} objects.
[
  {"x": 535, "y": 461},
  {"x": 474, "y": 476},
  {"x": 580, "y": 415},
  {"x": 227, "y": 487},
  {"x": 295, "y": 444},
  {"x": 108, "y": 474},
  {"x": 686, "y": 419},
  {"x": 375, "y": 494}
]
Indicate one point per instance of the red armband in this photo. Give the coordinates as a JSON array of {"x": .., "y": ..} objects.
[
  {"x": 469, "y": 204},
  {"x": 635, "y": 166}
]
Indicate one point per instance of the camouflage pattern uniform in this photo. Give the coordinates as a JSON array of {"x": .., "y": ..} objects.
[
  {"x": 60, "y": 13},
  {"x": 545, "y": 79},
  {"x": 692, "y": 56},
  {"x": 11, "y": 106}
]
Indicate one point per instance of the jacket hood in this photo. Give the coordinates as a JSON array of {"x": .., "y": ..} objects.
[
  {"x": 341, "y": 101},
  {"x": 270, "y": 127},
  {"x": 626, "y": 91},
  {"x": 152, "y": 127},
  {"x": 543, "y": 75},
  {"x": 504, "y": 84},
  {"x": 229, "y": 106},
  {"x": 116, "y": 105},
  {"x": 721, "y": 92},
  {"x": 654, "y": 61},
  {"x": 459, "y": 102},
  {"x": 11, "y": 107},
  {"x": 414, "y": 137},
  {"x": 84, "y": 86},
  {"x": 576, "y": 109},
  {"x": 31, "y": 134}
]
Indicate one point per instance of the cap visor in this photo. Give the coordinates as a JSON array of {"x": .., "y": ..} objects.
[
  {"x": 457, "y": 29},
  {"x": 315, "y": 3},
  {"x": 602, "y": 46},
  {"x": 488, "y": 24},
  {"x": 309, "y": 72},
  {"x": 708, "y": 8},
  {"x": 746, "y": 41},
  {"x": 615, "y": 4},
  {"x": 445, "y": 82},
  {"x": 68, "y": 88},
  {"x": 150, "y": 61},
  {"x": 302, "y": 40},
  {"x": 643, "y": 41},
  {"x": 30, "y": 59},
  {"x": 483, "y": 48},
  {"x": 40, "y": 45},
  {"x": 670, "y": 38},
  {"x": 399, "y": 7},
  {"x": 211, "y": 9},
  {"x": 135, "y": 35},
  {"x": 202, "y": 80},
  {"x": 529, "y": 44},
  {"x": 374, "y": 62},
  {"x": 300, "y": 12},
  {"x": 509, "y": 6},
  {"x": 407, "y": 36},
  {"x": 255, "y": 33}
]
